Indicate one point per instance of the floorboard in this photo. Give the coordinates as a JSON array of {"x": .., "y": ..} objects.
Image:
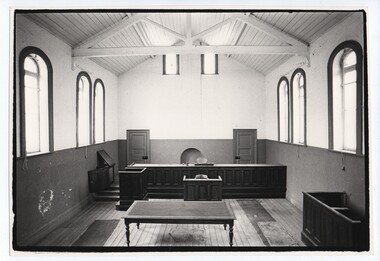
[{"x": 245, "y": 234}]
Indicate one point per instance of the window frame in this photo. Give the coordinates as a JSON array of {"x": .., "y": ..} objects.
[
  {"x": 216, "y": 65},
  {"x": 302, "y": 72},
  {"x": 23, "y": 55},
  {"x": 91, "y": 141},
  {"x": 164, "y": 65},
  {"x": 283, "y": 78},
  {"x": 357, "y": 48},
  {"x": 104, "y": 110}
]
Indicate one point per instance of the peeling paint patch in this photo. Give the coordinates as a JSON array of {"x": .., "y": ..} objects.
[{"x": 46, "y": 198}]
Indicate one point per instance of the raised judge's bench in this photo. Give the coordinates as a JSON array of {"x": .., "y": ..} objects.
[{"x": 237, "y": 180}]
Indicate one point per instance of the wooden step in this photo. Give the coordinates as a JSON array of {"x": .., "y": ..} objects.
[
  {"x": 106, "y": 197},
  {"x": 115, "y": 186},
  {"x": 109, "y": 192}
]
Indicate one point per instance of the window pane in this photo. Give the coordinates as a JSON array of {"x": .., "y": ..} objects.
[
  {"x": 350, "y": 130},
  {"x": 301, "y": 80},
  {"x": 349, "y": 59},
  {"x": 99, "y": 124},
  {"x": 31, "y": 82},
  {"x": 32, "y": 120},
  {"x": 344, "y": 100},
  {"x": 301, "y": 137},
  {"x": 30, "y": 65},
  {"x": 349, "y": 77},
  {"x": 284, "y": 111},
  {"x": 350, "y": 96},
  {"x": 171, "y": 64},
  {"x": 209, "y": 66},
  {"x": 36, "y": 102},
  {"x": 83, "y": 112},
  {"x": 298, "y": 109}
]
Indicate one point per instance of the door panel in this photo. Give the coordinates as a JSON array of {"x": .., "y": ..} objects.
[
  {"x": 245, "y": 146},
  {"x": 138, "y": 146}
]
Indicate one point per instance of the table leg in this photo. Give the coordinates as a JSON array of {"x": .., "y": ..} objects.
[
  {"x": 127, "y": 232},
  {"x": 225, "y": 226},
  {"x": 138, "y": 225},
  {"x": 231, "y": 233}
]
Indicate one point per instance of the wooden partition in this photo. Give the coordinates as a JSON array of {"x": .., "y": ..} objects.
[
  {"x": 238, "y": 180},
  {"x": 202, "y": 189},
  {"x": 328, "y": 222}
]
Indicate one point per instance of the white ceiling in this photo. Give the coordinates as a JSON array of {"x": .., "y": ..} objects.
[{"x": 230, "y": 31}]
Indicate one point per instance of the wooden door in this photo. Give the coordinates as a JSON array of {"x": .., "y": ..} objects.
[
  {"x": 138, "y": 146},
  {"x": 245, "y": 146}
]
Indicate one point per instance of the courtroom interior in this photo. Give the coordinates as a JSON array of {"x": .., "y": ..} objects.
[{"x": 173, "y": 130}]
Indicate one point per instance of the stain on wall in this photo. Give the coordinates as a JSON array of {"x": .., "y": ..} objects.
[{"x": 46, "y": 199}]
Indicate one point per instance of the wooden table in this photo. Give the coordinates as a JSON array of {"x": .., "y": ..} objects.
[{"x": 180, "y": 212}]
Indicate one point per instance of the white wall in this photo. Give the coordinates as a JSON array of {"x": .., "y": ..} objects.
[
  {"x": 191, "y": 105},
  {"x": 64, "y": 82},
  {"x": 316, "y": 80}
]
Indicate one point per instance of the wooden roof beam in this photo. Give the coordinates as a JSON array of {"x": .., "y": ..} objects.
[
  {"x": 178, "y": 35},
  {"x": 111, "y": 31},
  {"x": 212, "y": 28},
  {"x": 269, "y": 29},
  {"x": 220, "y": 49},
  {"x": 188, "y": 41}
]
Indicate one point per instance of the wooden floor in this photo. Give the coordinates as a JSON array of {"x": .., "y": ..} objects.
[{"x": 245, "y": 234}]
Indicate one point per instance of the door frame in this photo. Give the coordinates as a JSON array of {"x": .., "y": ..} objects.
[
  {"x": 128, "y": 143},
  {"x": 234, "y": 141}
]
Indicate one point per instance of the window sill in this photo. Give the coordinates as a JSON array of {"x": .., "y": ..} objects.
[
  {"x": 35, "y": 154},
  {"x": 83, "y": 146},
  {"x": 300, "y": 144},
  {"x": 290, "y": 143},
  {"x": 89, "y": 145},
  {"x": 347, "y": 152},
  {"x": 283, "y": 142}
]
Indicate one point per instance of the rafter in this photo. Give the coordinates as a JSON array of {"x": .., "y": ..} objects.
[
  {"x": 112, "y": 30},
  {"x": 178, "y": 35},
  {"x": 212, "y": 28},
  {"x": 220, "y": 49},
  {"x": 141, "y": 37},
  {"x": 188, "y": 41},
  {"x": 268, "y": 29}
]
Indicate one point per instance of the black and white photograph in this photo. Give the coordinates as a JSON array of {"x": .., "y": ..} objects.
[{"x": 191, "y": 129}]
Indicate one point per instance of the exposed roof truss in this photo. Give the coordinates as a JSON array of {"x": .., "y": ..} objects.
[{"x": 190, "y": 43}]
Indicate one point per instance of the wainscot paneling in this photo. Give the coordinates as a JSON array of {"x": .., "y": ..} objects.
[
  {"x": 238, "y": 181},
  {"x": 51, "y": 188}
]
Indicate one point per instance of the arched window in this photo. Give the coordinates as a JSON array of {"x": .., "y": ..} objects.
[
  {"x": 283, "y": 106},
  {"x": 84, "y": 105},
  {"x": 345, "y": 94},
  {"x": 99, "y": 111},
  {"x": 36, "y": 102},
  {"x": 298, "y": 83}
]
